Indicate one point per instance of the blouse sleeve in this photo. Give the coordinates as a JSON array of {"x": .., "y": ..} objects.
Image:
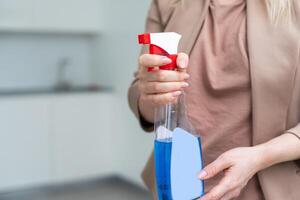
[{"x": 296, "y": 132}]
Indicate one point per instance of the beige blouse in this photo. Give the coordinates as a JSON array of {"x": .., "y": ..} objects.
[
  {"x": 219, "y": 99},
  {"x": 274, "y": 57}
]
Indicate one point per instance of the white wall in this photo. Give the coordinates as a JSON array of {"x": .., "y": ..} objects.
[
  {"x": 117, "y": 46},
  {"x": 117, "y": 60},
  {"x": 30, "y": 60}
]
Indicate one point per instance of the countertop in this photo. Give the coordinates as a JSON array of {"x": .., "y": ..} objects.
[{"x": 37, "y": 91}]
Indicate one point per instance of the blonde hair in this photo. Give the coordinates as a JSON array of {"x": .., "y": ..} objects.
[{"x": 280, "y": 11}]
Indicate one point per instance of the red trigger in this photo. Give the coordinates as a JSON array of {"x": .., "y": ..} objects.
[{"x": 159, "y": 51}]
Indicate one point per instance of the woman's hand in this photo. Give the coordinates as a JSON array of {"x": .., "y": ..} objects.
[
  {"x": 239, "y": 166},
  {"x": 160, "y": 86}
]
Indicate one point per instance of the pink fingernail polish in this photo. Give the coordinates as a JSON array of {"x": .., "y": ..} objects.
[
  {"x": 166, "y": 60},
  {"x": 186, "y": 76},
  {"x": 202, "y": 174},
  {"x": 176, "y": 94},
  {"x": 185, "y": 85}
]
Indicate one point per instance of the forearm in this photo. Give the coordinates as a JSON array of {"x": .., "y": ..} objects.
[
  {"x": 134, "y": 97},
  {"x": 283, "y": 148}
]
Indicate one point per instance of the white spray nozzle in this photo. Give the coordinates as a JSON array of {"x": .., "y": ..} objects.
[{"x": 168, "y": 41}]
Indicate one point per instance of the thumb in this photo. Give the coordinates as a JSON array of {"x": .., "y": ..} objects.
[
  {"x": 182, "y": 61},
  {"x": 214, "y": 168}
]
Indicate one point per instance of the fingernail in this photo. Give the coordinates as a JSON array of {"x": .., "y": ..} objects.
[
  {"x": 182, "y": 63},
  {"x": 202, "y": 174},
  {"x": 166, "y": 60},
  {"x": 176, "y": 94},
  {"x": 186, "y": 76},
  {"x": 184, "y": 85}
]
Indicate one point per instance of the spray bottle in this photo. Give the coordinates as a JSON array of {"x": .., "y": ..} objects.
[{"x": 177, "y": 148}]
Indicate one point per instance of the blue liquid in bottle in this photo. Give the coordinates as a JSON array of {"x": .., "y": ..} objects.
[
  {"x": 177, "y": 163},
  {"x": 162, "y": 155}
]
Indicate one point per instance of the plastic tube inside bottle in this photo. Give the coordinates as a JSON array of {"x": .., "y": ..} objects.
[{"x": 165, "y": 123}]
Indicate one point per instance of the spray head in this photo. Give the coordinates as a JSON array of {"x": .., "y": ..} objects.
[{"x": 165, "y": 44}]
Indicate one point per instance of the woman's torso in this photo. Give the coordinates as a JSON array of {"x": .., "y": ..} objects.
[{"x": 219, "y": 99}]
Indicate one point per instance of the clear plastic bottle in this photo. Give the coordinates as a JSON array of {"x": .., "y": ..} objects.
[{"x": 177, "y": 148}]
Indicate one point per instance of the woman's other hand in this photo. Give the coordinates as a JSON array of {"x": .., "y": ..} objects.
[
  {"x": 239, "y": 166},
  {"x": 160, "y": 87}
]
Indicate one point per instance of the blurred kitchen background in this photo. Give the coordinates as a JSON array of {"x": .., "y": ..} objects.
[{"x": 66, "y": 130}]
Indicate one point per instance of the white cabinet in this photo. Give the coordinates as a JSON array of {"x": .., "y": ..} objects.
[
  {"x": 81, "y": 136},
  {"x": 55, "y": 138},
  {"x": 24, "y": 134},
  {"x": 71, "y": 16}
]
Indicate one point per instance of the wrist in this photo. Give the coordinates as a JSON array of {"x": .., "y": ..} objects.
[
  {"x": 285, "y": 147},
  {"x": 146, "y": 111},
  {"x": 263, "y": 158}
]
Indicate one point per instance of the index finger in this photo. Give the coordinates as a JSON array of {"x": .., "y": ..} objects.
[
  {"x": 214, "y": 168},
  {"x": 151, "y": 60}
]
